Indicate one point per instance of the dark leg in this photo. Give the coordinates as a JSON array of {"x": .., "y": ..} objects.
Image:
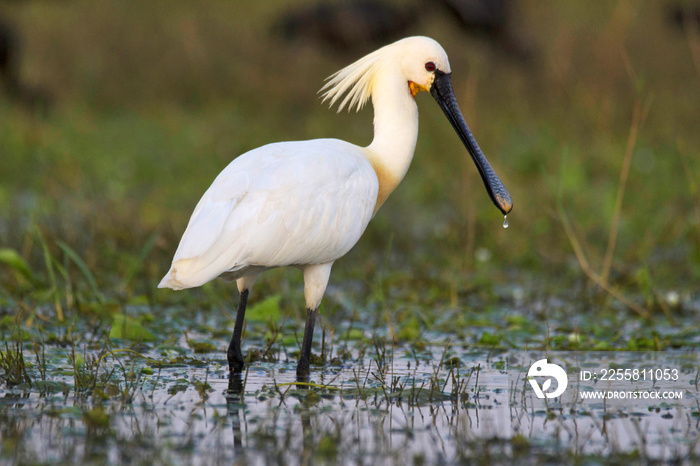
[
  {"x": 305, "y": 356},
  {"x": 234, "y": 354}
]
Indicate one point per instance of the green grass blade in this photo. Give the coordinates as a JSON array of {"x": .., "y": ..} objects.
[
  {"x": 83, "y": 268},
  {"x": 137, "y": 265},
  {"x": 49, "y": 261},
  {"x": 12, "y": 259}
]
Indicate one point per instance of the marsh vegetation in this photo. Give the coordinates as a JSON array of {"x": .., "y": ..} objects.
[{"x": 595, "y": 135}]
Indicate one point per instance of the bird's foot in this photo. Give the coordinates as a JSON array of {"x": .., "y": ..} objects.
[{"x": 234, "y": 392}]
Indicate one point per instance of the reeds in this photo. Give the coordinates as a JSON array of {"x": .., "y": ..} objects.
[{"x": 602, "y": 278}]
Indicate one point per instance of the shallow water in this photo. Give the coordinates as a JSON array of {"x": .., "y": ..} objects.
[{"x": 387, "y": 405}]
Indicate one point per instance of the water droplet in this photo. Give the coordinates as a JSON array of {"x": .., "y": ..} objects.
[{"x": 505, "y": 221}]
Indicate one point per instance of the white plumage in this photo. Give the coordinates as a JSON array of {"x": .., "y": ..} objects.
[{"x": 307, "y": 203}]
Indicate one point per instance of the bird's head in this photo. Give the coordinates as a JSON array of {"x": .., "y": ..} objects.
[
  {"x": 424, "y": 64},
  {"x": 427, "y": 68},
  {"x": 420, "y": 58}
]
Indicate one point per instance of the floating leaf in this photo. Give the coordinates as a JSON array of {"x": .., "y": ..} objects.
[
  {"x": 177, "y": 388},
  {"x": 129, "y": 329},
  {"x": 266, "y": 311},
  {"x": 489, "y": 339},
  {"x": 202, "y": 346}
]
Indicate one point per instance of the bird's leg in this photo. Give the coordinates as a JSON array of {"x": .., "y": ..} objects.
[
  {"x": 305, "y": 356},
  {"x": 234, "y": 354},
  {"x": 315, "y": 282}
]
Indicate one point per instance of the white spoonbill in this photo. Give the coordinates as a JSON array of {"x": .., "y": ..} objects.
[{"x": 306, "y": 203}]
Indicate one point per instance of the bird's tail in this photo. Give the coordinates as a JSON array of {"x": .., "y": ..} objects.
[{"x": 170, "y": 281}]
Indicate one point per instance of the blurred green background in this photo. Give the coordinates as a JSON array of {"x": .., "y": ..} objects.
[{"x": 147, "y": 101}]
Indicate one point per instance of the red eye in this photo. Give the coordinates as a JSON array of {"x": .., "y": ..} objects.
[{"x": 430, "y": 66}]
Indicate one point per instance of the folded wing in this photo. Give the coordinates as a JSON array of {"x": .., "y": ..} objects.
[{"x": 291, "y": 203}]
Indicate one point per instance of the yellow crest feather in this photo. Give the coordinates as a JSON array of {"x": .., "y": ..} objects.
[{"x": 354, "y": 81}]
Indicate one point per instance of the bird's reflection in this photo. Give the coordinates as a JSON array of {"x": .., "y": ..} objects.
[
  {"x": 234, "y": 395},
  {"x": 235, "y": 403}
]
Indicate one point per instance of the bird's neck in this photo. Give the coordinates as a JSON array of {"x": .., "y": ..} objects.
[{"x": 395, "y": 134}]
